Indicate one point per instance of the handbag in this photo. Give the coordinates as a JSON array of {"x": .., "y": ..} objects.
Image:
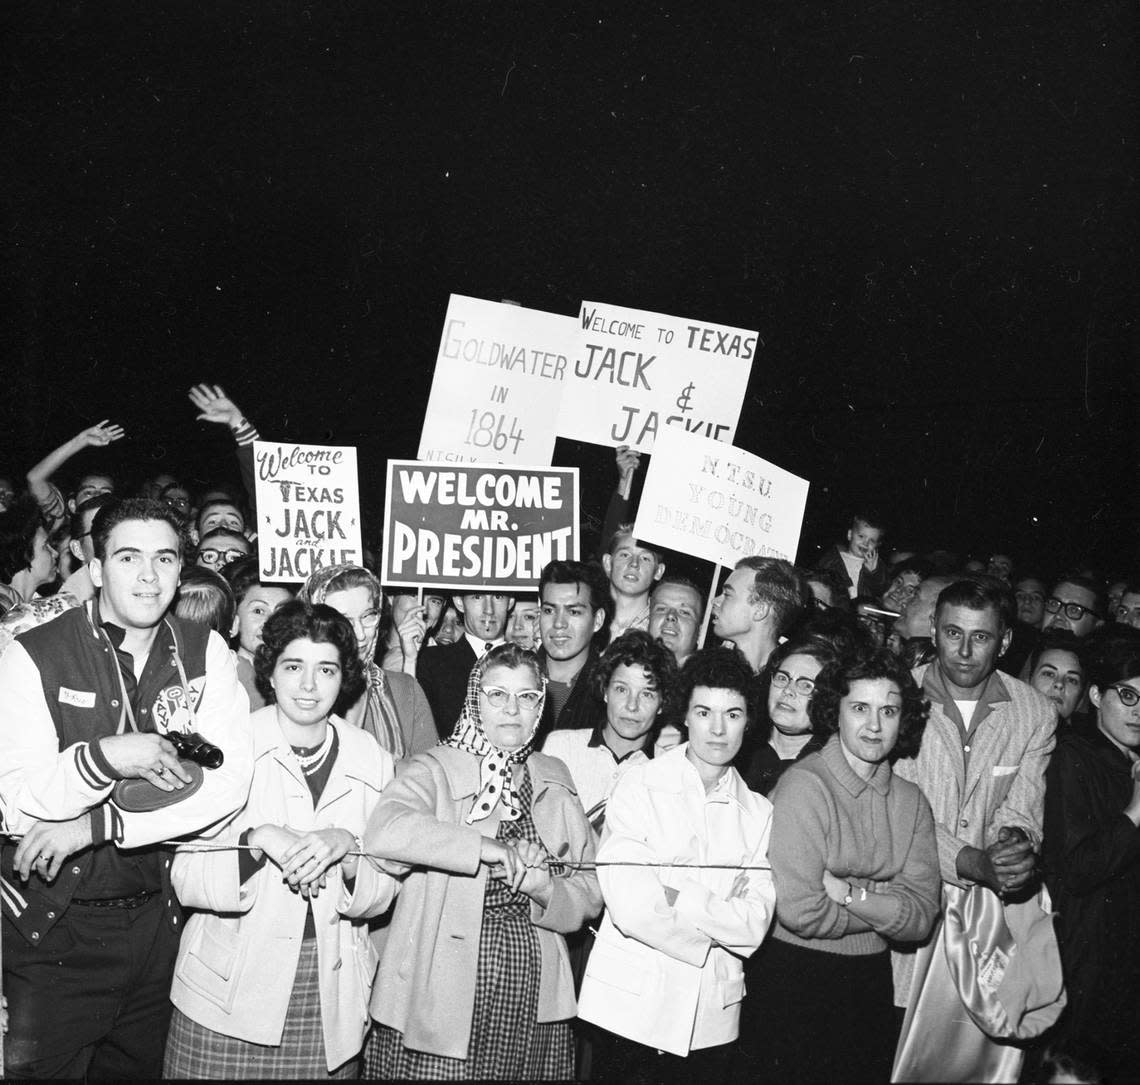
[
  {"x": 989, "y": 976},
  {"x": 1005, "y": 961}
]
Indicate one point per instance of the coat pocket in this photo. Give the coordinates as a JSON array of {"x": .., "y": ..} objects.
[
  {"x": 616, "y": 967},
  {"x": 212, "y": 963}
]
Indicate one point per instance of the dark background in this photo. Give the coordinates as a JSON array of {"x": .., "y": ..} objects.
[{"x": 928, "y": 211}]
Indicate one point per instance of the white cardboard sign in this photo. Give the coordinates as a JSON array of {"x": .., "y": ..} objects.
[
  {"x": 497, "y": 385},
  {"x": 308, "y": 509},
  {"x": 636, "y": 373},
  {"x": 718, "y": 502}
]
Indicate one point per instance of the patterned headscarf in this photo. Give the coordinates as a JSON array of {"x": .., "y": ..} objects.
[
  {"x": 496, "y": 780},
  {"x": 381, "y": 718}
]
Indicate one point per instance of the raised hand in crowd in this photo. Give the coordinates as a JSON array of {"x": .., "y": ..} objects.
[
  {"x": 628, "y": 460},
  {"x": 39, "y": 477},
  {"x": 215, "y": 406}
]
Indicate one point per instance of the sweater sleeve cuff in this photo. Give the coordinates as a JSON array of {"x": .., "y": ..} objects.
[
  {"x": 245, "y": 433},
  {"x": 102, "y": 823}
]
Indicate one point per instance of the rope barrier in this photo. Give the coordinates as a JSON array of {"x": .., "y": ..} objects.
[{"x": 207, "y": 846}]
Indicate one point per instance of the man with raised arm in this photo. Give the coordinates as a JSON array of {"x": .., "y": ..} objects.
[{"x": 90, "y": 923}]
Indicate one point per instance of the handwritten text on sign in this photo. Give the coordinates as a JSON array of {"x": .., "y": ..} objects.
[
  {"x": 718, "y": 502},
  {"x": 497, "y": 384},
  {"x": 477, "y": 525},
  {"x": 637, "y": 372},
  {"x": 308, "y": 509}
]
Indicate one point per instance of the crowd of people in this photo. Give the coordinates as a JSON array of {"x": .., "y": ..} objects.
[{"x": 882, "y": 824}]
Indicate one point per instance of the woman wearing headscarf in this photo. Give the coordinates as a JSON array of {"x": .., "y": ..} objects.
[
  {"x": 393, "y": 708},
  {"x": 475, "y": 981}
]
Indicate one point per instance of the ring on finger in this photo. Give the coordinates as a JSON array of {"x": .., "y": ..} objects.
[{"x": 161, "y": 770}]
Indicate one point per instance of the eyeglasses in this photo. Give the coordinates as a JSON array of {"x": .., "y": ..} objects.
[
  {"x": 369, "y": 619},
  {"x": 210, "y": 556},
  {"x": 524, "y": 698},
  {"x": 803, "y": 686},
  {"x": 1073, "y": 611},
  {"x": 1129, "y": 697}
]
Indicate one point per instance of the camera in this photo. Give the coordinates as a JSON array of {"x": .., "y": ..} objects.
[{"x": 194, "y": 747}]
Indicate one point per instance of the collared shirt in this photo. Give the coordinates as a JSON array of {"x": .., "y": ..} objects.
[
  {"x": 480, "y": 646},
  {"x": 594, "y": 767},
  {"x": 993, "y": 692}
]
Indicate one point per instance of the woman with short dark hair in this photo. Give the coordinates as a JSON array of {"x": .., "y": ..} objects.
[
  {"x": 275, "y": 964},
  {"x": 1092, "y": 857},
  {"x": 856, "y": 868}
]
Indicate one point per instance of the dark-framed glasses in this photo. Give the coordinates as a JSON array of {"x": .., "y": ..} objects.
[
  {"x": 497, "y": 697},
  {"x": 210, "y": 556},
  {"x": 1073, "y": 611},
  {"x": 1129, "y": 697},
  {"x": 803, "y": 686}
]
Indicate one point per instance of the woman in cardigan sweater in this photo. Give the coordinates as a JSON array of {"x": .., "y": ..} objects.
[{"x": 854, "y": 859}]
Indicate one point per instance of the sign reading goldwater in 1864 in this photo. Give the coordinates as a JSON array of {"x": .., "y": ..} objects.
[
  {"x": 477, "y": 525},
  {"x": 636, "y": 373},
  {"x": 308, "y": 509},
  {"x": 497, "y": 384}
]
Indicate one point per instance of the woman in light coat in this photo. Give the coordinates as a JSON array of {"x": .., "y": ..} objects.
[
  {"x": 275, "y": 966},
  {"x": 665, "y": 976},
  {"x": 474, "y": 981}
]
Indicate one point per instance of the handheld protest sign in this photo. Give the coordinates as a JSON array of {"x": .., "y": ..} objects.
[
  {"x": 637, "y": 374},
  {"x": 308, "y": 509},
  {"x": 497, "y": 385},
  {"x": 458, "y": 526},
  {"x": 718, "y": 502}
]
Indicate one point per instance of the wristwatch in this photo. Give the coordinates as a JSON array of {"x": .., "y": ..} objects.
[{"x": 850, "y": 896}]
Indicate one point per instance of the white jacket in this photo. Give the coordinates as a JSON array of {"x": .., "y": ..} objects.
[
  {"x": 672, "y": 977},
  {"x": 239, "y": 953}
]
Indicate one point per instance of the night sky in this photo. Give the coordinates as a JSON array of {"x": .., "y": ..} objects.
[{"x": 928, "y": 212}]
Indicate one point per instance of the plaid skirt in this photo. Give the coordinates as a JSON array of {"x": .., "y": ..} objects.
[
  {"x": 506, "y": 1040},
  {"x": 193, "y": 1051}
]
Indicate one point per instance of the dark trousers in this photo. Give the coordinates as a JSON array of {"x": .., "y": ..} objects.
[
  {"x": 92, "y": 997},
  {"x": 618, "y": 1059}
]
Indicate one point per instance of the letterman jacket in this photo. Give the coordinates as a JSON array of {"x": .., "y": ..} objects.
[{"x": 59, "y": 694}]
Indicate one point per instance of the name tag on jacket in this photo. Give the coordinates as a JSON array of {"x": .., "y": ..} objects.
[{"x": 76, "y": 697}]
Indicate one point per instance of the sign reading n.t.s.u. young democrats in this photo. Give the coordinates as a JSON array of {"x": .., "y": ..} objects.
[
  {"x": 637, "y": 373},
  {"x": 718, "y": 502},
  {"x": 462, "y": 526},
  {"x": 497, "y": 384},
  {"x": 308, "y": 509}
]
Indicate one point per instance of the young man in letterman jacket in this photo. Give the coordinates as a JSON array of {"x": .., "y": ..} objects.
[{"x": 90, "y": 924}]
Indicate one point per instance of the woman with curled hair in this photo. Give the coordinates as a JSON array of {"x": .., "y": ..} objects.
[
  {"x": 275, "y": 964},
  {"x": 636, "y": 679},
  {"x": 27, "y": 558},
  {"x": 856, "y": 867},
  {"x": 392, "y": 707},
  {"x": 687, "y": 891},
  {"x": 784, "y": 729}
]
